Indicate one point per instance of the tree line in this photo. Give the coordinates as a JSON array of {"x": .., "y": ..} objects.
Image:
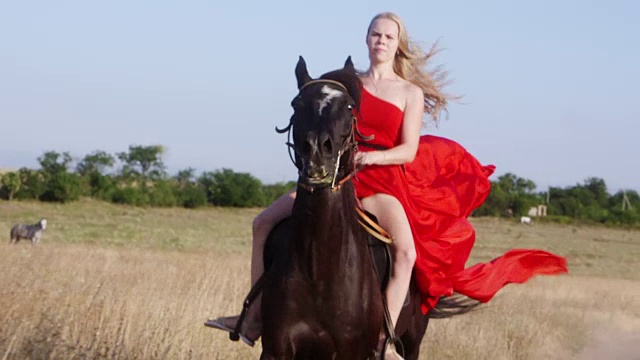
[
  {"x": 587, "y": 202},
  {"x": 138, "y": 177}
]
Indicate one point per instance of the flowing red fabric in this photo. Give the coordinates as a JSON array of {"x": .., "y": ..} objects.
[{"x": 438, "y": 191}]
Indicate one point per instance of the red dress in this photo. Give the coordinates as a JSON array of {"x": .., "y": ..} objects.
[{"x": 438, "y": 191}]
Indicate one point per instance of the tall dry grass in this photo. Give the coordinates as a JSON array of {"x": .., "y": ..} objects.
[
  {"x": 131, "y": 292},
  {"x": 80, "y": 302}
]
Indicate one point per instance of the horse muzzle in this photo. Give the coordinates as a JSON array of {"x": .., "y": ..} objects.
[
  {"x": 316, "y": 174},
  {"x": 315, "y": 177}
]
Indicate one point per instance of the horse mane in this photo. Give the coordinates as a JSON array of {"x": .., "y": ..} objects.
[{"x": 349, "y": 78}]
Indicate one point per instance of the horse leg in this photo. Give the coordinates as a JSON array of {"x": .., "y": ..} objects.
[
  {"x": 412, "y": 339},
  {"x": 288, "y": 347}
]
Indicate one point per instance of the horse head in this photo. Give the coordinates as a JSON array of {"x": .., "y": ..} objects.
[{"x": 323, "y": 125}]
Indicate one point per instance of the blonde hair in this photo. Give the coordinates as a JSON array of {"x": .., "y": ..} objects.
[{"x": 410, "y": 63}]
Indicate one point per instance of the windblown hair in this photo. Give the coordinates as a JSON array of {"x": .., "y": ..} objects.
[{"x": 411, "y": 62}]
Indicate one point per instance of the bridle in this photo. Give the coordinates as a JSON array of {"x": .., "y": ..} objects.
[{"x": 349, "y": 144}]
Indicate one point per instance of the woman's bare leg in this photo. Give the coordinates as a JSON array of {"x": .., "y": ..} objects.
[
  {"x": 392, "y": 217},
  {"x": 262, "y": 226}
]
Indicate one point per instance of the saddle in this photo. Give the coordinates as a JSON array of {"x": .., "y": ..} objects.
[{"x": 378, "y": 248}]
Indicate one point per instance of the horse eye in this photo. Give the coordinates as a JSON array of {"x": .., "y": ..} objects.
[{"x": 350, "y": 107}]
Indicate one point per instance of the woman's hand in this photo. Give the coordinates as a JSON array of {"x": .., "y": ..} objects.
[
  {"x": 364, "y": 158},
  {"x": 360, "y": 158}
]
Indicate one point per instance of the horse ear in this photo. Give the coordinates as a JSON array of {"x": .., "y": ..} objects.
[
  {"x": 302, "y": 75},
  {"x": 348, "y": 65}
]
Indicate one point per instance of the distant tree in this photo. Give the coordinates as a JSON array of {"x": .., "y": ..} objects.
[
  {"x": 163, "y": 193},
  {"x": 143, "y": 162},
  {"x": 186, "y": 176},
  {"x": 101, "y": 186},
  {"x": 11, "y": 184},
  {"x": 587, "y": 201},
  {"x": 514, "y": 184},
  {"x": 130, "y": 196},
  {"x": 190, "y": 192},
  {"x": 62, "y": 187},
  {"x": 93, "y": 169},
  {"x": 598, "y": 189},
  {"x": 33, "y": 184},
  {"x": 236, "y": 189},
  {"x": 496, "y": 204},
  {"x": 96, "y": 162},
  {"x": 52, "y": 162},
  {"x": 193, "y": 196},
  {"x": 562, "y": 202},
  {"x": 510, "y": 195},
  {"x": 273, "y": 191},
  {"x": 207, "y": 180}
]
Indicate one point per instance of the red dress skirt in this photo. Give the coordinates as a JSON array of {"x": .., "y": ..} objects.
[{"x": 438, "y": 191}]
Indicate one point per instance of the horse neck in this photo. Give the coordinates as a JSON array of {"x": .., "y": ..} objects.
[{"x": 326, "y": 229}]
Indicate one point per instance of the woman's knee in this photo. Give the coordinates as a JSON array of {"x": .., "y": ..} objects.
[
  {"x": 269, "y": 217},
  {"x": 262, "y": 224},
  {"x": 392, "y": 216}
]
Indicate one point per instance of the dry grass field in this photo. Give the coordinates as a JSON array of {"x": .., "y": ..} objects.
[{"x": 119, "y": 282}]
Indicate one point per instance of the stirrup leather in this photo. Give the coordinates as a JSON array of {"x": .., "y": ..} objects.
[{"x": 372, "y": 227}]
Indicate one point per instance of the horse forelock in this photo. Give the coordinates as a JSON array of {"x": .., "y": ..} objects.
[
  {"x": 329, "y": 94},
  {"x": 349, "y": 79}
]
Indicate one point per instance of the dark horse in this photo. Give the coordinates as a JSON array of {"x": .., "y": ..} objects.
[{"x": 321, "y": 297}]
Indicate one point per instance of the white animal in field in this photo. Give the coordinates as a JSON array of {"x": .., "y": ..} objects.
[
  {"x": 526, "y": 220},
  {"x": 31, "y": 232}
]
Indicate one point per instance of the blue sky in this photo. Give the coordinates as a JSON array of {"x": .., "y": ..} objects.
[{"x": 550, "y": 87}]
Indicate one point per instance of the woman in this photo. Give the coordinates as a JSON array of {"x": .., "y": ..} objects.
[{"x": 421, "y": 189}]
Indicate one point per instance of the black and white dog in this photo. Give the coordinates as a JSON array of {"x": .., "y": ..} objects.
[{"x": 33, "y": 232}]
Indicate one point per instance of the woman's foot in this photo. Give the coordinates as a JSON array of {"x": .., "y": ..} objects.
[{"x": 249, "y": 333}]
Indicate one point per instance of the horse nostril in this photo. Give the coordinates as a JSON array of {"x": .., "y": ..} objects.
[{"x": 327, "y": 146}]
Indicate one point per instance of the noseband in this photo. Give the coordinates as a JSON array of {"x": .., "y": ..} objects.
[{"x": 349, "y": 144}]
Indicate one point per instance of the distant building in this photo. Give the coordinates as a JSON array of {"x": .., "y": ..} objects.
[{"x": 540, "y": 210}]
